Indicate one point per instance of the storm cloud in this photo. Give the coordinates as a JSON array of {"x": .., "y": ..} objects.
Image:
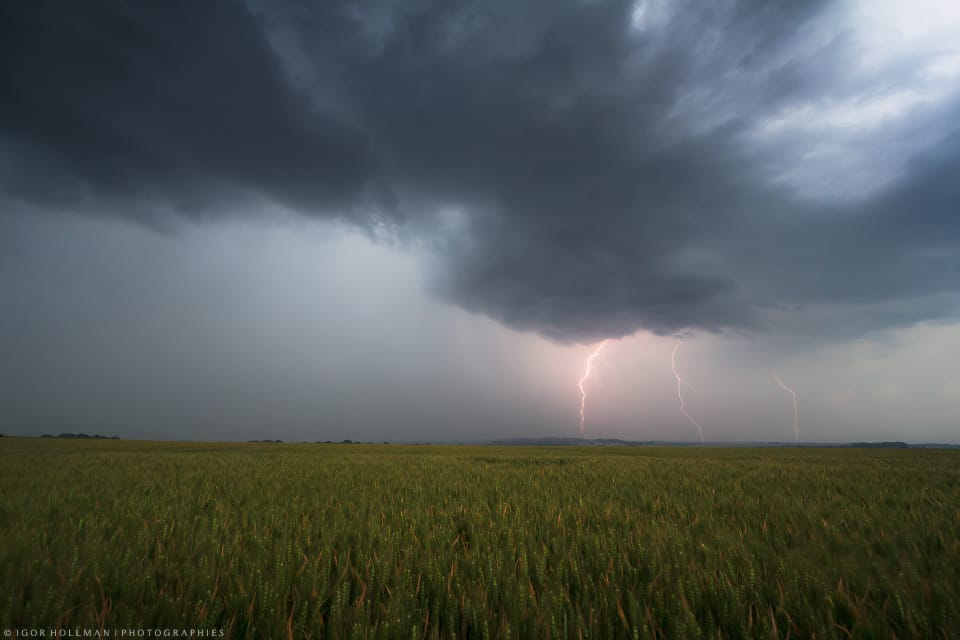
[{"x": 578, "y": 169}]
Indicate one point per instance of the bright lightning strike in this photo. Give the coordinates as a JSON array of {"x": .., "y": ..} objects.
[
  {"x": 586, "y": 374},
  {"x": 796, "y": 433},
  {"x": 680, "y": 383}
]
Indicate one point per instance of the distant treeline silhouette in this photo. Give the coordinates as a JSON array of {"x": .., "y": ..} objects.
[
  {"x": 881, "y": 445},
  {"x": 81, "y": 436},
  {"x": 316, "y": 441},
  {"x": 348, "y": 441}
]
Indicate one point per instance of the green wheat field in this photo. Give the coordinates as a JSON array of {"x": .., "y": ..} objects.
[{"x": 391, "y": 541}]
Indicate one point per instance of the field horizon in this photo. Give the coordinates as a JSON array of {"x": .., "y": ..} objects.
[{"x": 538, "y": 441}]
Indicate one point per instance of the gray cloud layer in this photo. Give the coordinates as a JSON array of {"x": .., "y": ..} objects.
[{"x": 576, "y": 168}]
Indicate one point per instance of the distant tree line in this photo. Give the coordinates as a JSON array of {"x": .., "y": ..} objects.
[
  {"x": 81, "y": 436},
  {"x": 881, "y": 445},
  {"x": 348, "y": 441}
]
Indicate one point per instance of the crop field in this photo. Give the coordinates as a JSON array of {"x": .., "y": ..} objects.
[{"x": 390, "y": 541}]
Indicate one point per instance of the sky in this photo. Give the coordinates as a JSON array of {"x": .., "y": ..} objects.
[{"x": 415, "y": 220}]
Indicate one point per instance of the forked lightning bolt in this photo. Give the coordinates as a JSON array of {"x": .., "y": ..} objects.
[
  {"x": 796, "y": 433},
  {"x": 586, "y": 374},
  {"x": 680, "y": 383}
]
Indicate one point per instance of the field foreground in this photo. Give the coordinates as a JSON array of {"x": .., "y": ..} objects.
[{"x": 304, "y": 540}]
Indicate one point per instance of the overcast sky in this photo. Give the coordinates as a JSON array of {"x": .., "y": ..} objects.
[{"x": 417, "y": 219}]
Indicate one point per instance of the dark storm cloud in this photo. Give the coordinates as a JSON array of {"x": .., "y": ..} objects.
[
  {"x": 898, "y": 244},
  {"x": 576, "y": 172},
  {"x": 135, "y": 106}
]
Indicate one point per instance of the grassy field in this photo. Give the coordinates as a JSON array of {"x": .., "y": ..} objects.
[{"x": 339, "y": 541}]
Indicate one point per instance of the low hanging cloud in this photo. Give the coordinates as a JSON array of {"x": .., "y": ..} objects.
[
  {"x": 580, "y": 169},
  {"x": 137, "y": 109}
]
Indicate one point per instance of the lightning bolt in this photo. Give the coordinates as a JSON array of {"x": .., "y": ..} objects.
[
  {"x": 586, "y": 374},
  {"x": 680, "y": 383},
  {"x": 611, "y": 369},
  {"x": 796, "y": 433}
]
